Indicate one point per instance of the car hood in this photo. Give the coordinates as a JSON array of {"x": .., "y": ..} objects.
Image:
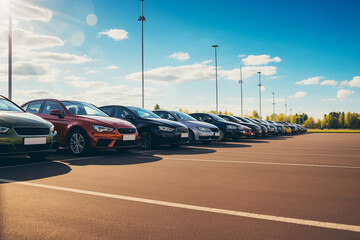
[
  {"x": 21, "y": 119},
  {"x": 193, "y": 124},
  {"x": 108, "y": 121},
  {"x": 164, "y": 122}
]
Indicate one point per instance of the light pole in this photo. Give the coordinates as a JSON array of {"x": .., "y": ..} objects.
[
  {"x": 285, "y": 110},
  {"x": 241, "y": 83},
  {"x": 260, "y": 92},
  {"x": 273, "y": 93},
  {"x": 142, "y": 19},
  {"x": 290, "y": 114},
  {"x": 217, "y": 101},
  {"x": 10, "y": 56}
]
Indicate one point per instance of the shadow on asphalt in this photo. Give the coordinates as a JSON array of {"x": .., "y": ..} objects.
[{"x": 226, "y": 144}]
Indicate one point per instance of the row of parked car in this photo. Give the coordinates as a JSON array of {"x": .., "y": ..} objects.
[{"x": 40, "y": 127}]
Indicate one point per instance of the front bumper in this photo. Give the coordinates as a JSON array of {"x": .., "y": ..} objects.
[
  {"x": 113, "y": 140},
  {"x": 174, "y": 137},
  {"x": 234, "y": 133},
  {"x": 13, "y": 144}
]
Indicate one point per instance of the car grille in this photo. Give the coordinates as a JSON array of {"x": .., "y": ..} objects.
[
  {"x": 32, "y": 131},
  {"x": 214, "y": 129},
  {"x": 120, "y": 143},
  {"x": 126, "y": 130},
  {"x": 182, "y": 130}
]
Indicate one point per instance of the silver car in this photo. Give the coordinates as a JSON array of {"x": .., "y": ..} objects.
[{"x": 198, "y": 131}]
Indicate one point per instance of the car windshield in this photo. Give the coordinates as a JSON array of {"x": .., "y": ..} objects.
[
  {"x": 217, "y": 118},
  {"x": 183, "y": 116},
  {"x": 6, "y": 105},
  {"x": 82, "y": 108},
  {"x": 142, "y": 113}
]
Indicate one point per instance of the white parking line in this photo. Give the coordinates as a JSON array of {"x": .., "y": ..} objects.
[
  {"x": 262, "y": 163},
  {"x": 312, "y": 223}
]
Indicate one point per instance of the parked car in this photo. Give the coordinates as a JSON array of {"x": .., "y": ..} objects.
[
  {"x": 272, "y": 130},
  {"x": 293, "y": 128},
  {"x": 25, "y": 133},
  {"x": 198, "y": 131},
  {"x": 256, "y": 129},
  {"x": 152, "y": 129},
  {"x": 264, "y": 128},
  {"x": 280, "y": 128},
  {"x": 82, "y": 126},
  {"x": 227, "y": 129}
]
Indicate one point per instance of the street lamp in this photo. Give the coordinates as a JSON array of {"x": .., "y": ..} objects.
[
  {"x": 241, "y": 83},
  {"x": 285, "y": 110},
  {"x": 217, "y": 102},
  {"x": 142, "y": 19},
  {"x": 10, "y": 56},
  {"x": 260, "y": 92},
  {"x": 273, "y": 105},
  {"x": 290, "y": 114}
]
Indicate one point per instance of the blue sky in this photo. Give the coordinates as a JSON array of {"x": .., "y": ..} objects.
[{"x": 307, "y": 51}]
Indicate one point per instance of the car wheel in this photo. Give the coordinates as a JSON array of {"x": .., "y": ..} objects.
[
  {"x": 222, "y": 135},
  {"x": 78, "y": 143},
  {"x": 191, "y": 137},
  {"x": 39, "y": 156},
  {"x": 146, "y": 140}
]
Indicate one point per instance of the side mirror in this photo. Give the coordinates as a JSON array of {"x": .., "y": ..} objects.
[{"x": 56, "y": 112}]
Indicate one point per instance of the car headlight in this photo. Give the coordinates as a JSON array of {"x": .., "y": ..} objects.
[
  {"x": 166, "y": 129},
  {"x": 4, "y": 129},
  {"x": 231, "y": 127},
  {"x": 204, "y": 129},
  {"x": 52, "y": 129},
  {"x": 99, "y": 128}
]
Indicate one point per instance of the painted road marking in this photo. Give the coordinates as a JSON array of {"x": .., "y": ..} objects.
[
  {"x": 262, "y": 163},
  {"x": 312, "y": 223}
]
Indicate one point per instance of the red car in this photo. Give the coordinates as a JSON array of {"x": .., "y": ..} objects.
[{"x": 82, "y": 126}]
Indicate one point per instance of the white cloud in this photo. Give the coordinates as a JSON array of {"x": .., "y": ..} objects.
[
  {"x": 92, "y": 72},
  {"x": 260, "y": 59},
  {"x": 263, "y": 88},
  {"x": 197, "y": 72},
  {"x": 27, "y": 40},
  {"x": 52, "y": 57},
  {"x": 25, "y": 11},
  {"x": 28, "y": 70},
  {"x": 207, "y": 61},
  {"x": 116, "y": 34},
  {"x": 181, "y": 56},
  {"x": 343, "y": 93},
  {"x": 87, "y": 84},
  {"x": 277, "y": 77},
  {"x": 112, "y": 67},
  {"x": 329, "y": 82},
  {"x": 355, "y": 82},
  {"x": 344, "y": 83},
  {"x": 299, "y": 95},
  {"x": 310, "y": 81},
  {"x": 241, "y": 55}
]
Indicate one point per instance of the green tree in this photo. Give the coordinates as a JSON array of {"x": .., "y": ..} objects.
[
  {"x": 255, "y": 114},
  {"x": 157, "y": 107},
  {"x": 342, "y": 120},
  {"x": 309, "y": 123},
  {"x": 318, "y": 123}
]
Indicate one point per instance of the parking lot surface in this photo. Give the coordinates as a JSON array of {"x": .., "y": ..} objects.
[{"x": 287, "y": 187}]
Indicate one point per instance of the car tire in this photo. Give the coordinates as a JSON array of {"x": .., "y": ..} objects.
[
  {"x": 78, "y": 143},
  {"x": 191, "y": 137},
  {"x": 39, "y": 156},
  {"x": 222, "y": 135},
  {"x": 146, "y": 140}
]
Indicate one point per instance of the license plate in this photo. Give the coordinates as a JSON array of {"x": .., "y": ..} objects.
[
  {"x": 34, "y": 141},
  {"x": 184, "y": 135},
  {"x": 129, "y": 137},
  {"x": 217, "y": 134}
]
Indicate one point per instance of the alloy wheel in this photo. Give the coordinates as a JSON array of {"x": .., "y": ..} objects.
[{"x": 77, "y": 143}]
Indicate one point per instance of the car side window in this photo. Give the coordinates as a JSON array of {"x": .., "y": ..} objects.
[
  {"x": 107, "y": 110},
  {"x": 205, "y": 118},
  {"x": 226, "y": 118},
  {"x": 25, "y": 106},
  {"x": 121, "y": 113},
  {"x": 34, "y": 107},
  {"x": 52, "y": 105},
  {"x": 166, "y": 115},
  {"x": 196, "y": 116}
]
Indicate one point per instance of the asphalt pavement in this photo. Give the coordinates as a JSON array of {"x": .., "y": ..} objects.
[{"x": 287, "y": 187}]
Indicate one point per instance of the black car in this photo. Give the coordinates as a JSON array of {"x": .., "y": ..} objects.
[
  {"x": 256, "y": 128},
  {"x": 152, "y": 129},
  {"x": 264, "y": 128},
  {"x": 227, "y": 129}
]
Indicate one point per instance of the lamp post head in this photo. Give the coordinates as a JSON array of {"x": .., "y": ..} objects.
[
  {"x": 215, "y": 46},
  {"x": 259, "y": 72}
]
